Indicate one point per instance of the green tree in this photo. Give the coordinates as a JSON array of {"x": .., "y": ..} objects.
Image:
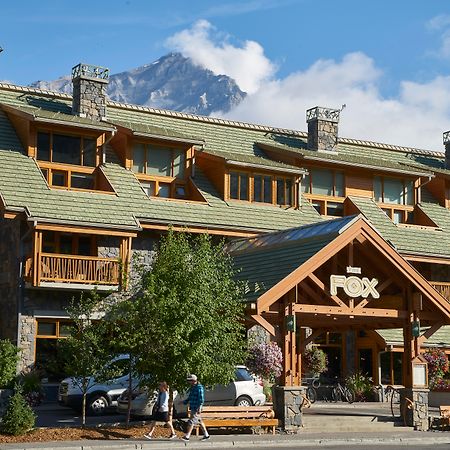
[
  {"x": 188, "y": 317},
  {"x": 89, "y": 349},
  {"x": 9, "y": 357},
  {"x": 18, "y": 417}
]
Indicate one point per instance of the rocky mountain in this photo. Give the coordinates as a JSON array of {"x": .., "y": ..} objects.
[{"x": 172, "y": 82}]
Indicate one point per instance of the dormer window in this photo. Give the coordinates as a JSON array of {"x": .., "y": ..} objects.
[
  {"x": 59, "y": 148},
  {"x": 388, "y": 192},
  {"x": 159, "y": 161},
  {"x": 261, "y": 188},
  {"x": 70, "y": 161},
  {"x": 325, "y": 190},
  {"x": 160, "y": 169}
]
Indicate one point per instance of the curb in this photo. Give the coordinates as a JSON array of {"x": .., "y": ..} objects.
[{"x": 282, "y": 442}]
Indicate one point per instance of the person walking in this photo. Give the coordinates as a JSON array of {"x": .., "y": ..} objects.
[
  {"x": 195, "y": 399},
  {"x": 160, "y": 411}
]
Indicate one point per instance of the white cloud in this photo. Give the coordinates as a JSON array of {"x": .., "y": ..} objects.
[
  {"x": 247, "y": 64},
  {"x": 416, "y": 117},
  {"x": 441, "y": 24}
]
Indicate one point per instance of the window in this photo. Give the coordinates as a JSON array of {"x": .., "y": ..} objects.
[
  {"x": 68, "y": 244},
  {"x": 159, "y": 161},
  {"x": 239, "y": 186},
  {"x": 49, "y": 358},
  {"x": 324, "y": 182},
  {"x": 60, "y": 148},
  {"x": 262, "y": 188},
  {"x": 284, "y": 191},
  {"x": 393, "y": 190},
  {"x": 161, "y": 189}
]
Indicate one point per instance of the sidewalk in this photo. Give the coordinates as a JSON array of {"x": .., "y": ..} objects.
[{"x": 301, "y": 440}]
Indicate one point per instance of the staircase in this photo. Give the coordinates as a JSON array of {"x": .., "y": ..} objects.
[{"x": 357, "y": 417}]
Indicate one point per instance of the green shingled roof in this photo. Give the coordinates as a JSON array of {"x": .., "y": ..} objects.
[
  {"x": 158, "y": 132},
  {"x": 410, "y": 240},
  {"x": 394, "y": 336},
  {"x": 264, "y": 261}
]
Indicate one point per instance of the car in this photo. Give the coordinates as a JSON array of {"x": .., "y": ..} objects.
[
  {"x": 101, "y": 396},
  {"x": 245, "y": 390}
]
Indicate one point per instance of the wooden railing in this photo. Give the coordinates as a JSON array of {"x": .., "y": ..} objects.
[
  {"x": 442, "y": 287},
  {"x": 78, "y": 269}
]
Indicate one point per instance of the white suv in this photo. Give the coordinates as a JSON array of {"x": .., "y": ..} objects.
[
  {"x": 100, "y": 396},
  {"x": 245, "y": 390}
]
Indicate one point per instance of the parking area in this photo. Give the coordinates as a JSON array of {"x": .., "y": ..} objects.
[{"x": 50, "y": 414}]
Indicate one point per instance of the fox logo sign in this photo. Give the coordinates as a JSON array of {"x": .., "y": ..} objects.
[{"x": 354, "y": 286}]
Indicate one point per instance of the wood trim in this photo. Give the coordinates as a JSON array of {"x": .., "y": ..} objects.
[
  {"x": 359, "y": 228},
  {"x": 321, "y": 285},
  {"x": 84, "y": 230},
  {"x": 428, "y": 333},
  {"x": 190, "y": 229},
  {"x": 363, "y": 312},
  {"x": 426, "y": 259},
  {"x": 264, "y": 323}
]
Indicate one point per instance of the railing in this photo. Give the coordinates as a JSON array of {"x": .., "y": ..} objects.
[
  {"x": 78, "y": 269},
  {"x": 443, "y": 288}
]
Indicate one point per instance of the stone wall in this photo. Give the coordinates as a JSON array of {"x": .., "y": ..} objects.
[
  {"x": 89, "y": 99},
  {"x": 322, "y": 135},
  {"x": 9, "y": 277}
]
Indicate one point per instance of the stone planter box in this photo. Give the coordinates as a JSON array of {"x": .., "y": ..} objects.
[{"x": 436, "y": 398}]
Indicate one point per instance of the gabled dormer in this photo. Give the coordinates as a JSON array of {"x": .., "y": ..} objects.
[
  {"x": 162, "y": 160},
  {"x": 252, "y": 178}
]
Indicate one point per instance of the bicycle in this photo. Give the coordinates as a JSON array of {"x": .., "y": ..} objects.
[
  {"x": 311, "y": 390},
  {"x": 340, "y": 393}
]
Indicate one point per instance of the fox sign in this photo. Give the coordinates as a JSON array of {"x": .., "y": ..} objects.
[{"x": 354, "y": 286}]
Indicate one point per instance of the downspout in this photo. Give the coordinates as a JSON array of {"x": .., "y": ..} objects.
[
  {"x": 113, "y": 133},
  {"x": 419, "y": 188}
]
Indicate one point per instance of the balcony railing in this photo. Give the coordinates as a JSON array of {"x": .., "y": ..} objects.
[
  {"x": 58, "y": 268},
  {"x": 443, "y": 288}
]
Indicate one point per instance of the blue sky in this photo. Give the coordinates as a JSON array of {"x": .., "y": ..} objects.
[{"x": 387, "y": 60}]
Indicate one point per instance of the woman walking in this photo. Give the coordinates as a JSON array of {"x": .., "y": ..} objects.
[{"x": 161, "y": 411}]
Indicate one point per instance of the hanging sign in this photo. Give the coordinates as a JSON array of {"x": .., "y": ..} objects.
[{"x": 354, "y": 286}]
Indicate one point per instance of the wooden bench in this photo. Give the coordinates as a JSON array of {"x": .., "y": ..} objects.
[
  {"x": 238, "y": 416},
  {"x": 444, "y": 419}
]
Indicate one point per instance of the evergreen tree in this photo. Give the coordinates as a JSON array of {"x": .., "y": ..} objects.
[{"x": 18, "y": 417}]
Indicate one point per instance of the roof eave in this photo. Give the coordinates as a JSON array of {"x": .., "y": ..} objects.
[{"x": 298, "y": 171}]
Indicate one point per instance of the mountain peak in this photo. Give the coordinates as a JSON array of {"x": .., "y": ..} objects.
[{"x": 171, "y": 82}]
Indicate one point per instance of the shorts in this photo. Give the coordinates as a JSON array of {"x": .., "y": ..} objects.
[
  {"x": 195, "y": 419},
  {"x": 159, "y": 416}
]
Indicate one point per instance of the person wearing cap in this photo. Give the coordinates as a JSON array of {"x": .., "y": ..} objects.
[{"x": 195, "y": 399}]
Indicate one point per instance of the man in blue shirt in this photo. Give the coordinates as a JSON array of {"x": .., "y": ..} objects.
[{"x": 195, "y": 399}]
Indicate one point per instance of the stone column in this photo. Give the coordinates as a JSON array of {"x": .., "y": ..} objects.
[
  {"x": 416, "y": 413},
  {"x": 287, "y": 404}
]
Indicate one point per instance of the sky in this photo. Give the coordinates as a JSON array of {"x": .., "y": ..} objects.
[{"x": 387, "y": 61}]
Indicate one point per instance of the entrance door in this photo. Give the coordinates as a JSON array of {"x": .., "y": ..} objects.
[
  {"x": 365, "y": 361},
  {"x": 334, "y": 362}
]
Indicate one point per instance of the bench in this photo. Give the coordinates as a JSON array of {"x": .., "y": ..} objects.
[
  {"x": 444, "y": 419},
  {"x": 238, "y": 416}
]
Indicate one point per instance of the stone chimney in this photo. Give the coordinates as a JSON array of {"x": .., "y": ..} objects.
[
  {"x": 322, "y": 128},
  {"x": 89, "y": 96},
  {"x": 446, "y": 140}
]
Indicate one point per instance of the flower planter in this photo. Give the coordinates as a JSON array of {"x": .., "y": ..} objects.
[{"x": 436, "y": 398}]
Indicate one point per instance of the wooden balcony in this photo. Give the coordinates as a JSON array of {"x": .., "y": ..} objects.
[
  {"x": 443, "y": 288},
  {"x": 56, "y": 269}
]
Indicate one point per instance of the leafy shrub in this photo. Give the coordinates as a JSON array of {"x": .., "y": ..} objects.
[
  {"x": 437, "y": 366},
  {"x": 31, "y": 385},
  {"x": 315, "y": 360},
  {"x": 265, "y": 360},
  {"x": 18, "y": 417},
  {"x": 361, "y": 385},
  {"x": 9, "y": 357}
]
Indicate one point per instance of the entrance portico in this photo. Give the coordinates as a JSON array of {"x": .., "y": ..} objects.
[{"x": 340, "y": 276}]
